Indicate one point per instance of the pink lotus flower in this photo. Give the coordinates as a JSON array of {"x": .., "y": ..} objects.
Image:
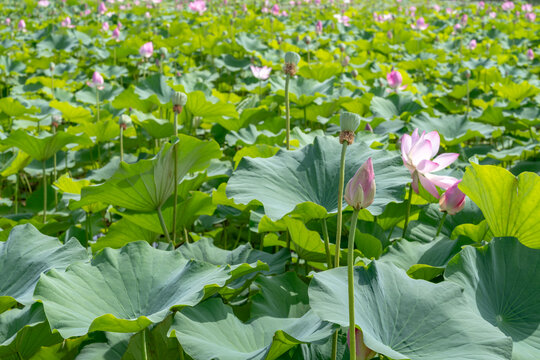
[
  {"x": 508, "y": 6},
  {"x": 493, "y": 14},
  {"x": 362, "y": 351},
  {"x": 319, "y": 27},
  {"x": 420, "y": 24},
  {"x": 530, "y": 54},
  {"x": 342, "y": 19},
  {"x": 97, "y": 81},
  {"x": 464, "y": 20},
  {"x": 116, "y": 34},
  {"x": 105, "y": 27},
  {"x": 437, "y": 8},
  {"x": 198, "y": 6},
  {"x": 453, "y": 200},
  {"x": 22, "y": 25},
  {"x": 102, "y": 9},
  {"x": 360, "y": 190},
  {"x": 8, "y": 21},
  {"x": 481, "y": 5},
  {"x": 457, "y": 27},
  {"x": 261, "y": 73},
  {"x": 275, "y": 10},
  {"x": 67, "y": 23},
  {"x": 527, "y": 7},
  {"x": 472, "y": 44},
  {"x": 417, "y": 151},
  {"x": 147, "y": 50},
  {"x": 530, "y": 16},
  {"x": 43, "y": 3},
  {"x": 394, "y": 79}
]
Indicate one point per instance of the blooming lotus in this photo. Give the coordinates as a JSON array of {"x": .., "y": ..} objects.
[
  {"x": 530, "y": 16},
  {"x": 116, "y": 34},
  {"x": 394, "y": 79},
  {"x": 67, "y": 23},
  {"x": 146, "y": 50},
  {"x": 507, "y": 6},
  {"x": 319, "y": 27},
  {"x": 97, "y": 81},
  {"x": 527, "y": 7},
  {"x": 417, "y": 152},
  {"x": 261, "y": 73},
  {"x": 102, "y": 9},
  {"x": 493, "y": 14},
  {"x": 342, "y": 19},
  {"x": 453, "y": 200},
  {"x": 198, "y": 6},
  {"x": 420, "y": 24},
  {"x": 360, "y": 190},
  {"x": 43, "y": 3},
  {"x": 530, "y": 54},
  {"x": 472, "y": 44},
  {"x": 105, "y": 27}
]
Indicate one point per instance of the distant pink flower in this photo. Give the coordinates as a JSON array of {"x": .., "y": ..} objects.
[
  {"x": 97, "y": 81},
  {"x": 527, "y": 7},
  {"x": 43, "y": 3},
  {"x": 449, "y": 11},
  {"x": 275, "y": 10},
  {"x": 342, "y": 19},
  {"x": 147, "y": 15},
  {"x": 394, "y": 79},
  {"x": 464, "y": 20},
  {"x": 507, "y": 6},
  {"x": 102, "y": 9},
  {"x": 198, "y": 6},
  {"x": 284, "y": 13},
  {"x": 493, "y": 14},
  {"x": 530, "y": 16},
  {"x": 116, "y": 34},
  {"x": 105, "y": 26},
  {"x": 261, "y": 73},
  {"x": 472, "y": 44},
  {"x": 437, "y": 8},
  {"x": 481, "y": 5},
  {"x": 453, "y": 200},
  {"x": 457, "y": 27},
  {"x": 67, "y": 23},
  {"x": 530, "y": 54},
  {"x": 147, "y": 50},
  {"x": 420, "y": 24},
  {"x": 416, "y": 153},
  {"x": 265, "y": 10},
  {"x": 319, "y": 27},
  {"x": 22, "y": 25},
  {"x": 8, "y": 21}
]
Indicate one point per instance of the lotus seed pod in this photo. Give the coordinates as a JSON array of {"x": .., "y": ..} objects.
[
  {"x": 164, "y": 52},
  {"x": 56, "y": 120},
  {"x": 342, "y": 47},
  {"x": 307, "y": 39},
  {"x": 52, "y": 66},
  {"x": 354, "y": 73},
  {"x": 349, "y": 121},
  {"x": 179, "y": 98},
  {"x": 336, "y": 57},
  {"x": 292, "y": 58},
  {"x": 125, "y": 120}
]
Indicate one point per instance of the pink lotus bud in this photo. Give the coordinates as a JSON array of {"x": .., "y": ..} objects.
[
  {"x": 453, "y": 200},
  {"x": 319, "y": 27},
  {"x": 22, "y": 25},
  {"x": 360, "y": 190},
  {"x": 464, "y": 19},
  {"x": 493, "y": 14},
  {"x": 481, "y": 5},
  {"x": 362, "y": 351},
  {"x": 507, "y": 6},
  {"x": 105, "y": 27},
  {"x": 116, "y": 34},
  {"x": 472, "y": 44},
  {"x": 102, "y": 9},
  {"x": 394, "y": 79},
  {"x": 527, "y": 7},
  {"x": 530, "y": 54},
  {"x": 147, "y": 50},
  {"x": 530, "y": 16},
  {"x": 97, "y": 79}
]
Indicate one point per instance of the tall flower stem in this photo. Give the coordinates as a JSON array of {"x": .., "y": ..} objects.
[
  {"x": 340, "y": 202},
  {"x": 162, "y": 222},
  {"x": 55, "y": 174},
  {"x": 97, "y": 103},
  {"x": 287, "y": 111},
  {"x": 350, "y": 278},
  {"x": 441, "y": 224},
  {"x": 121, "y": 143},
  {"x": 175, "y": 191},
  {"x": 44, "y": 193},
  {"x": 16, "y": 202},
  {"x": 408, "y": 211}
]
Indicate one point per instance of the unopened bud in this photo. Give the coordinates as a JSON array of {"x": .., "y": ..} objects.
[
  {"x": 360, "y": 190},
  {"x": 345, "y": 60},
  {"x": 125, "y": 121},
  {"x": 307, "y": 39},
  {"x": 179, "y": 100},
  {"x": 354, "y": 73}
]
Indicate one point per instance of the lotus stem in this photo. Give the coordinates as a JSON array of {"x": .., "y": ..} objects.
[
  {"x": 441, "y": 223},
  {"x": 350, "y": 278},
  {"x": 162, "y": 222},
  {"x": 121, "y": 143},
  {"x": 97, "y": 103},
  {"x": 16, "y": 193},
  {"x": 175, "y": 191},
  {"x": 340, "y": 202},
  {"x": 334, "y": 344},
  {"x": 326, "y": 244},
  {"x": 55, "y": 174},
  {"x": 408, "y": 211},
  {"x": 287, "y": 111},
  {"x": 44, "y": 193}
]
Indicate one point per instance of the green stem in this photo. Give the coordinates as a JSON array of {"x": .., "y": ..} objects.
[
  {"x": 350, "y": 278},
  {"x": 175, "y": 192},
  {"x": 87, "y": 231},
  {"x": 287, "y": 112},
  {"x": 441, "y": 224},
  {"x": 16, "y": 193},
  {"x": 162, "y": 222},
  {"x": 44, "y": 194},
  {"x": 408, "y": 211},
  {"x": 97, "y": 103},
  {"x": 55, "y": 176},
  {"x": 145, "y": 351},
  {"x": 326, "y": 244},
  {"x": 340, "y": 202},
  {"x": 334, "y": 344},
  {"x": 121, "y": 143}
]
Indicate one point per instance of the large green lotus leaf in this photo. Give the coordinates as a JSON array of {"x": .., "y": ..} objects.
[
  {"x": 231, "y": 63},
  {"x": 454, "y": 129},
  {"x": 502, "y": 283},
  {"x": 311, "y": 174},
  {"x": 404, "y": 318},
  {"x": 155, "y": 89},
  {"x": 88, "y": 95},
  {"x": 515, "y": 92},
  {"x": 251, "y": 136},
  {"x": 124, "y": 290},
  {"x": 147, "y": 184},
  {"x": 302, "y": 91},
  {"x": 25, "y": 255},
  {"x": 12, "y": 107},
  {"x": 45, "y": 145},
  {"x": 250, "y": 42},
  {"x": 58, "y": 42},
  {"x": 103, "y": 131},
  {"x": 9, "y": 66},
  {"x": 122, "y": 232},
  {"x": 394, "y": 106},
  {"x": 211, "y": 331},
  {"x": 71, "y": 113},
  {"x": 306, "y": 243},
  {"x": 283, "y": 296},
  {"x": 129, "y": 99},
  {"x": 510, "y": 205},
  {"x": 24, "y": 331},
  {"x": 321, "y": 71},
  {"x": 197, "y": 105},
  {"x": 113, "y": 347}
]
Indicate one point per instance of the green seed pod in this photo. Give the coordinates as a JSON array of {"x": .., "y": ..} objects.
[
  {"x": 179, "y": 99},
  {"x": 292, "y": 58},
  {"x": 164, "y": 52},
  {"x": 125, "y": 120},
  {"x": 349, "y": 121}
]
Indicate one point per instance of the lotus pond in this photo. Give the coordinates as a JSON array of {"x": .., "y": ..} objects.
[{"x": 250, "y": 180}]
